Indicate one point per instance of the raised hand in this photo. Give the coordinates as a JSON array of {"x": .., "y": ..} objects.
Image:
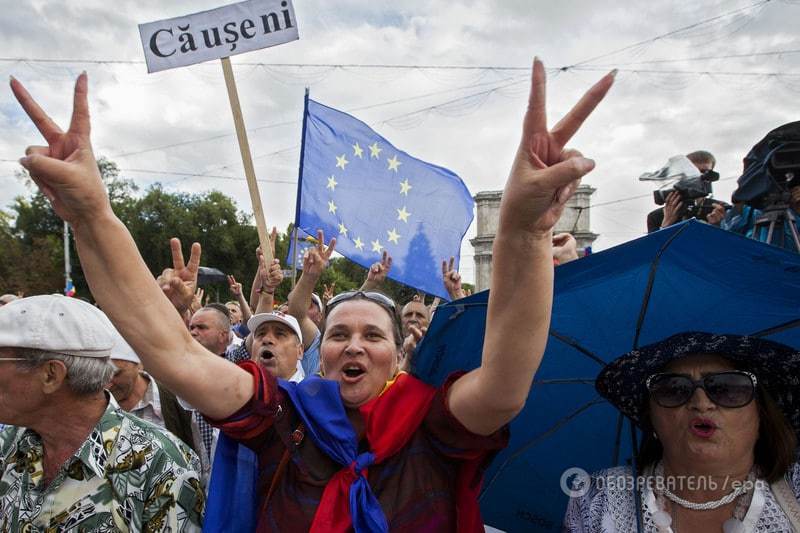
[
  {"x": 544, "y": 175},
  {"x": 410, "y": 344},
  {"x": 377, "y": 273},
  {"x": 317, "y": 257},
  {"x": 452, "y": 279},
  {"x": 271, "y": 275},
  {"x": 65, "y": 170},
  {"x": 379, "y": 270},
  {"x": 329, "y": 292},
  {"x": 235, "y": 288},
  {"x": 179, "y": 282},
  {"x": 565, "y": 248},
  {"x": 197, "y": 301}
]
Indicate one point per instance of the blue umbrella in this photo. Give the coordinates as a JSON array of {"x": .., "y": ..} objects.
[{"x": 688, "y": 277}]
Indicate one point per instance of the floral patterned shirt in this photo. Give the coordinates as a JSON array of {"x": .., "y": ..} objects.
[{"x": 129, "y": 475}]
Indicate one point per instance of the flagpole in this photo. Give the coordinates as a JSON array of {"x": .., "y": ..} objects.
[
  {"x": 299, "y": 185},
  {"x": 67, "y": 263},
  {"x": 247, "y": 160},
  {"x": 294, "y": 257},
  {"x": 300, "y": 170}
]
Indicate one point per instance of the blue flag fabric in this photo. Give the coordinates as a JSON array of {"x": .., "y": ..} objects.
[
  {"x": 233, "y": 490},
  {"x": 304, "y": 243},
  {"x": 355, "y": 185}
]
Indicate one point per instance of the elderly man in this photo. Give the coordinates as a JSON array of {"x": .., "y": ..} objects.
[
  {"x": 139, "y": 394},
  {"x": 277, "y": 345},
  {"x": 414, "y": 313},
  {"x": 74, "y": 460}
]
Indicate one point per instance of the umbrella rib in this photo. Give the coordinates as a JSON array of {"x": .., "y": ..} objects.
[
  {"x": 535, "y": 441},
  {"x": 777, "y": 329},
  {"x": 572, "y": 342},
  {"x": 650, "y": 281}
]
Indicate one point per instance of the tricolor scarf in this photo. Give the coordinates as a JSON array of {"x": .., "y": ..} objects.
[{"x": 390, "y": 420}]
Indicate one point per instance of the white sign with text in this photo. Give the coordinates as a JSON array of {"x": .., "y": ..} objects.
[{"x": 217, "y": 33}]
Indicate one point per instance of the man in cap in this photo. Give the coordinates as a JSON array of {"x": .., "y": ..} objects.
[
  {"x": 75, "y": 460},
  {"x": 277, "y": 344}
]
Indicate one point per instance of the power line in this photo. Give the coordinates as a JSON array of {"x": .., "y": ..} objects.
[
  {"x": 668, "y": 34},
  {"x": 700, "y": 72},
  {"x": 703, "y": 58},
  {"x": 638, "y": 197},
  {"x": 276, "y": 65},
  {"x": 199, "y": 175},
  {"x": 289, "y": 122}
]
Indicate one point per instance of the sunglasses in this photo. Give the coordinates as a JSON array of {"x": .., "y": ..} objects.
[
  {"x": 377, "y": 297},
  {"x": 726, "y": 389}
]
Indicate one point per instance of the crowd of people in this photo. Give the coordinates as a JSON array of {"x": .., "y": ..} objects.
[{"x": 150, "y": 409}]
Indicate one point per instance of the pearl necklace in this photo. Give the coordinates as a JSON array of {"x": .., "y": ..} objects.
[{"x": 735, "y": 524}]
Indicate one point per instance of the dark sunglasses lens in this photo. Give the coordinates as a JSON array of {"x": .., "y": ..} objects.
[
  {"x": 671, "y": 391},
  {"x": 730, "y": 389}
]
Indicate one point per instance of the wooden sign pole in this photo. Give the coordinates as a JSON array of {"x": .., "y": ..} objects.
[{"x": 247, "y": 160}]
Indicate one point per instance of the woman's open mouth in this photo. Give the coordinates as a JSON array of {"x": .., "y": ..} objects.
[
  {"x": 702, "y": 427},
  {"x": 353, "y": 372}
]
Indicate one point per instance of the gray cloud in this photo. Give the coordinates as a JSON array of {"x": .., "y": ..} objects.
[{"x": 647, "y": 117}]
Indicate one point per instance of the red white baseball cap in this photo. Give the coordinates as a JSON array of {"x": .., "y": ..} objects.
[{"x": 276, "y": 316}]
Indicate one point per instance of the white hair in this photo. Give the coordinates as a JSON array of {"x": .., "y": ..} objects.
[{"x": 85, "y": 375}]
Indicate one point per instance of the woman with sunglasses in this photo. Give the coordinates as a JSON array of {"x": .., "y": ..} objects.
[
  {"x": 364, "y": 448},
  {"x": 719, "y": 416}
]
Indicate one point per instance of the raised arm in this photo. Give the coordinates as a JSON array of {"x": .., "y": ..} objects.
[
  {"x": 377, "y": 273},
  {"x": 66, "y": 172},
  {"x": 255, "y": 288},
  {"x": 314, "y": 264},
  {"x": 270, "y": 276},
  {"x": 452, "y": 280},
  {"x": 236, "y": 290},
  {"x": 543, "y": 177}
]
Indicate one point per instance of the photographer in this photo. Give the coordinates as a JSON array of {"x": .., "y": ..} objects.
[
  {"x": 767, "y": 200},
  {"x": 676, "y": 209}
]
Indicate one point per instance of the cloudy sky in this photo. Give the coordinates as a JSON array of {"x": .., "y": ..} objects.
[{"x": 719, "y": 85}]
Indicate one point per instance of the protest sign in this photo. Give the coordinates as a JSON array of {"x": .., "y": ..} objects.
[{"x": 218, "y": 34}]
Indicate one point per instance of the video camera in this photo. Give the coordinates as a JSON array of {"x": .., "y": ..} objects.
[
  {"x": 771, "y": 169},
  {"x": 688, "y": 188}
]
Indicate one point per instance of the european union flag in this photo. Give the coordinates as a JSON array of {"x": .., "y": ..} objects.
[
  {"x": 304, "y": 242},
  {"x": 357, "y": 186}
]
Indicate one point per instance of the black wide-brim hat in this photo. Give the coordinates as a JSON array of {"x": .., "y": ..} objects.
[{"x": 776, "y": 366}]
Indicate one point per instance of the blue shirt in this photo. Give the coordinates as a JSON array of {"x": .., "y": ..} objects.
[{"x": 310, "y": 359}]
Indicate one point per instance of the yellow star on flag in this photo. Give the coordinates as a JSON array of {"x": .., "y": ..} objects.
[
  {"x": 403, "y": 215},
  {"x": 358, "y": 151},
  {"x": 341, "y": 161},
  {"x": 359, "y": 243},
  {"x": 376, "y": 246},
  {"x": 393, "y": 163},
  {"x": 331, "y": 207},
  {"x": 374, "y": 151},
  {"x": 393, "y": 236},
  {"x": 332, "y": 183},
  {"x": 405, "y": 186},
  {"x": 342, "y": 229}
]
